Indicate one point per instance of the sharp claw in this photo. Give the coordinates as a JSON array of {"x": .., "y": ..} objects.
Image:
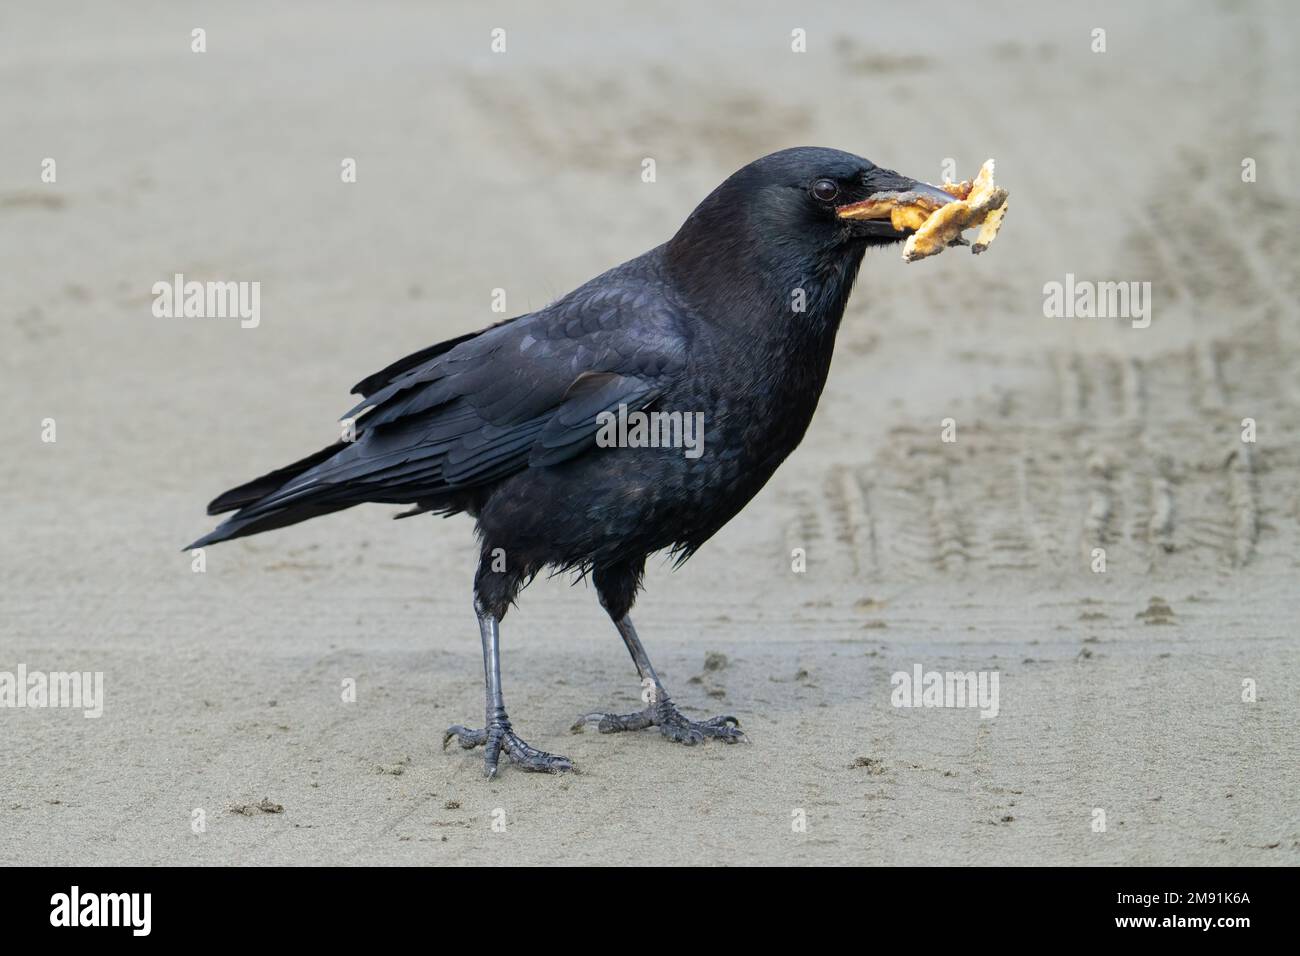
[
  {"x": 671, "y": 722},
  {"x": 541, "y": 761},
  {"x": 722, "y": 720},
  {"x": 498, "y": 739}
]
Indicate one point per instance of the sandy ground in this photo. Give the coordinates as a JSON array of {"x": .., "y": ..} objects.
[{"x": 521, "y": 171}]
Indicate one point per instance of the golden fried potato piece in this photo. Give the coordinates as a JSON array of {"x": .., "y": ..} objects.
[
  {"x": 989, "y": 230},
  {"x": 934, "y": 227},
  {"x": 870, "y": 209},
  {"x": 909, "y": 217},
  {"x": 982, "y": 205},
  {"x": 961, "y": 190},
  {"x": 904, "y": 210}
]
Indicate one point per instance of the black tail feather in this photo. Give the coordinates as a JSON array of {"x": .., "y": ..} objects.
[
  {"x": 237, "y": 527},
  {"x": 257, "y": 489},
  {"x": 249, "y": 519}
]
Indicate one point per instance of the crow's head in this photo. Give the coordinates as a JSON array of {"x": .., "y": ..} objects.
[
  {"x": 798, "y": 218},
  {"x": 812, "y": 197}
]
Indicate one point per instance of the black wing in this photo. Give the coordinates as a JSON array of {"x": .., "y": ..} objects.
[{"x": 465, "y": 413}]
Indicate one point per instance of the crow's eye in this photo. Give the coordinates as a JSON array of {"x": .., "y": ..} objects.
[{"x": 825, "y": 190}]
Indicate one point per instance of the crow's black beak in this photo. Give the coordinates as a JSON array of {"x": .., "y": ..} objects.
[{"x": 896, "y": 204}]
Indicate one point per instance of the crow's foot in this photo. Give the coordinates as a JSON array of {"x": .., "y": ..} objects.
[
  {"x": 671, "y": 723},
  {"x": 498, "y": 737}
]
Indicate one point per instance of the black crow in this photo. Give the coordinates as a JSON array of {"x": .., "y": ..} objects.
[{"x": 730, "y": 324}]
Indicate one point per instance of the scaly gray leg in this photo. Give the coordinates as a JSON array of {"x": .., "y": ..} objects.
[
  {"x": 497, "y": 735},
  {"x": 660, "y": 711}
]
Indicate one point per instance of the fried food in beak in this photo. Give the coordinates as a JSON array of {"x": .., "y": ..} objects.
[
  {"x": 984, "y": 204},
  {"x": 906, "y": 209},
  {"x": 936, "y": 216}
]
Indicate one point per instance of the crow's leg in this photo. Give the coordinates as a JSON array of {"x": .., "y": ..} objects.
[
  {"x": 497, "y": 735},
  {"x": 617, "y": 592},
  {"x": 660, "y": 711}
]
